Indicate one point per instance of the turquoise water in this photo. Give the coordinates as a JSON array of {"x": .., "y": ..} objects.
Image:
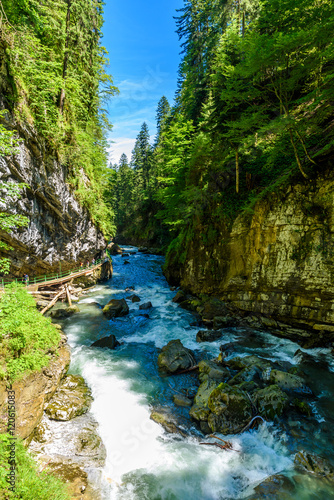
[{"x": 144, "y": 462}]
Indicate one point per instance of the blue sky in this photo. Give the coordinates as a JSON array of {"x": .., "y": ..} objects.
[{"x": 144, "y": 53}]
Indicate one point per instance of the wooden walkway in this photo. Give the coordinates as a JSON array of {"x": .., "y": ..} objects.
[{"x": 58, "y": 281}]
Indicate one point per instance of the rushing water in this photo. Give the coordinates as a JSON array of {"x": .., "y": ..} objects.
[{"x": 144, "y": 462}]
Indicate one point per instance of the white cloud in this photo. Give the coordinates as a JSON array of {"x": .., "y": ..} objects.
[{"x": 119, "y": 146}]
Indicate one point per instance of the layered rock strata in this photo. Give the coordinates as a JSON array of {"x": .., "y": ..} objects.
[
  {"x": 60, "y": 230},
  {"x": 277, "y": 263}
]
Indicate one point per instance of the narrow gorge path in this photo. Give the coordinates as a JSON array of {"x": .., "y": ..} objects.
[{"x": 143, "y": 461}]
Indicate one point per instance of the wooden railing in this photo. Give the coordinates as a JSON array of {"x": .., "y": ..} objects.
[{"x": 55, "y": 278}]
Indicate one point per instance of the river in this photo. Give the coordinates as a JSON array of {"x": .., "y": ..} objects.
[{"x": 143, "y": 461}]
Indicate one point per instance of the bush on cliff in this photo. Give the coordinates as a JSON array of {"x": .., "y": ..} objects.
[
  {"x": 25, "y": 335},
  {"x": 29, "y": 483}
]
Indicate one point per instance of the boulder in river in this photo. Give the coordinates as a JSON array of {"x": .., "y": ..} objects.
[
  {"x": 60, "y": 313},
  {"x": 274, "y": 487},
  {"x": 302, "y": 407},
  {"x": 314, "y": 464},
  {"x": 145, "y": 306},
  {"x": 116, "y": 308},
  {"x": 289, "y": 382},
  {"x": 209, "y": 369},
  {"x": 181, "y": 400},
  {"x": 270, "y": 401},
  {"x": 114, "y": 249},
  {"x": 208, "y": 335},
  {"x": 72, "y": 398},
  {"x": 167, "y": 421},
  {"x": 135, "y": 298},
  {"x": 200, "y": 410},
  {"x": 72, "y": 310},
  {"x": 174, "y": 357},
  {"x": 248, "y": 374},
  {"x": 109, "y": 342},
  {"x": 263, "y": 365},
  {"x": 230, "y": 408}
]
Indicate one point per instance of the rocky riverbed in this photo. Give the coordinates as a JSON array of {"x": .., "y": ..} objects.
[{"x": 167, "y": 380}]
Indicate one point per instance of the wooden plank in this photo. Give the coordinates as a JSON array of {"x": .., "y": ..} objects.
[
  {"x": 68, "y": 296},
  {"x": 52, "y": 303}
]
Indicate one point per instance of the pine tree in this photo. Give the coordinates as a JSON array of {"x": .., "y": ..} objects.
[
  {"x": 141, "y": 159},
  {"x": 163, "y": 112}
]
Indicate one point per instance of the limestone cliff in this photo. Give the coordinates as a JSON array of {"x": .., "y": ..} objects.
[
  {"x": 59, "y": 228},
  {"x": 277, "y": 263}
]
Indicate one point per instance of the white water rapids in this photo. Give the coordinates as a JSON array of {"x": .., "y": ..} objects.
[{"x": 143, "y": 461}]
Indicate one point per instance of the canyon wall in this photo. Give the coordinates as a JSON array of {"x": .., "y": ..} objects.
[{"x": 276, "y": 262}]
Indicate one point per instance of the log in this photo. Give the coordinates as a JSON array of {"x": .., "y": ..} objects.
[
  {"x": 68, "y": 296},
  {"x": 52, "y": 303}
]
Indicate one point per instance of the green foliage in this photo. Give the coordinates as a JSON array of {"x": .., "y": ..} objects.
[
  {"x": 26, "y": 336},
  {"x": 30, "y": 483},
  {"x": 59, "y": 86},
  {"x": 8, "y": 191},
  {"x": 253, "y": 113}
]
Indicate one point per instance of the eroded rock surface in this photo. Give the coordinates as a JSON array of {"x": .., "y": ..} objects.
[
  {"x": 33, "y": 392},
  {"x": 175, "y": 357},
  {"x": 72, "y": 398}
]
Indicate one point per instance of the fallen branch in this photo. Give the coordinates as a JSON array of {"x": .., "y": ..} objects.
[
  {"x": 226, "y": 446},
  {"x": 52, "y": 303},
  {"x": 250, "y": 423}
]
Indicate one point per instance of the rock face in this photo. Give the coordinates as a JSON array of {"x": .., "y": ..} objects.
[
  {"x": 278, "y": 263},
  {"x": 174, "y": 357},
  {"x": 116, "y": 308},
  {"x": 72, "y": 398},
  {"x": 59, "y": 229},
  {"x": 32, "y": 392}
]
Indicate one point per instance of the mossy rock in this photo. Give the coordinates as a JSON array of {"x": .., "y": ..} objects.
[
  {"x": 116, "y": 308},
  {"x": 274, "y": 487},
  {"x": 59, "y": 313},
  {"x": 167, "y": 421},
  {"x": 271, "y": 401},
  {"x": 174, "y": 357},
  {"x": 230, "y": 409},
  {"x": 238, "y": 363},
  {"x": 73, "y": 398},
  {"x": 247, "y": 374},
  {"x": 212, "y": 370},
  {"x": 181, "y": 400},
  {"x": 302, "y": 407},
  {"x": 289, "y": 382},
  {"x": 314, "y": 464},
  {"x": 72, "y": 310}
]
